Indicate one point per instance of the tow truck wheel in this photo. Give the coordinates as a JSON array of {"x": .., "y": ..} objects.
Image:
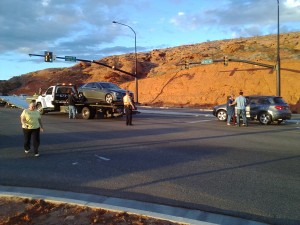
[
  {"x": 109, "y": 98},
  {"x": 39, "y": 108},
  {"x": 88, "y": 113}
]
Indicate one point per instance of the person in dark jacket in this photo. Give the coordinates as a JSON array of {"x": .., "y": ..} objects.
[
  {"x": 230, "y": 109},
  {"x": 71, "y": 104}
]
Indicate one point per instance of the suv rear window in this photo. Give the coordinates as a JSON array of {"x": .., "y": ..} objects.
[{"x": 279, "y": 100}]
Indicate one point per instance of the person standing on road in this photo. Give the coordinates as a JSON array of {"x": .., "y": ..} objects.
[
  {"x": 128, "y": 105},
  {"x": 71, "y": 104},
  {"x": 32, "y": 126},
  {"x": 241, "y": 103},
  {"x": 230, "y": 109}
]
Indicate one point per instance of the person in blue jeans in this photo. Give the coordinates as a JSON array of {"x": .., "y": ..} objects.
[
  {"x": 71, "y": 104},
  {"x": 230, "y": 109},
  {"x": 241, "y": 103}
]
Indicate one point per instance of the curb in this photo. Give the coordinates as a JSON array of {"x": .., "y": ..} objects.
[{"x": 174, "y": 214}]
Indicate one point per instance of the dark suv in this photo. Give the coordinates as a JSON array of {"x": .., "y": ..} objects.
[{"x": 265, "y": 109}]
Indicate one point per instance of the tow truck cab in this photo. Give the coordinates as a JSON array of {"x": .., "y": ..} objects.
[{"x": 55, "y": 98}]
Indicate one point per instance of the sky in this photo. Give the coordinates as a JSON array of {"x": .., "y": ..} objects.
[{"x": 84, "y": 28}]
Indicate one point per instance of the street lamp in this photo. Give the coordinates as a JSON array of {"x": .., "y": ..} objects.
[
  {"x": 136, "y": 79},
  {"x": 278, "y": 55}
]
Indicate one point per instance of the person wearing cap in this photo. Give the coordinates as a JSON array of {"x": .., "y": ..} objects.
[
  {"x": 32, "y": 126},
  {"x": 128, "y": 106}
]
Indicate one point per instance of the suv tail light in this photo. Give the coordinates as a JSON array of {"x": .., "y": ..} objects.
[{"x": 279, "y": 107}]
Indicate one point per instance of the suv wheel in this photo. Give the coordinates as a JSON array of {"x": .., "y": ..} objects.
[
  {"x": 108, "y": 98},
  {"x": 222, "y": 115},
  {"x": 264, "y": 118}
]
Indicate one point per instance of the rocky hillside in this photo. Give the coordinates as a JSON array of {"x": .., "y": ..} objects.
[{"x": 163, "y": 82}]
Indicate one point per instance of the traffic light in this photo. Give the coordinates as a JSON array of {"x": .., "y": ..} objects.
[
  {"x": 225, "y": 60},
  {"x": 48, "y": 56},
  {"x": 186, "y": 64}
]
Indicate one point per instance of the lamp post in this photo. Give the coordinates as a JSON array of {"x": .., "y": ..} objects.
[
  {"x": 136, "y": 79},
  {"x": 278, "y": 55}
]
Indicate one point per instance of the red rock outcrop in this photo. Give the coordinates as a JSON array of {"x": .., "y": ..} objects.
[{"x": 163, "y": 82}]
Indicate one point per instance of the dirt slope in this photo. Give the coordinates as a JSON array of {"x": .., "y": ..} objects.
[{"x": 211, "y": 84}]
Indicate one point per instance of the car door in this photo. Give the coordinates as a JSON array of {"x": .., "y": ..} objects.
[
  {"x": 102, "y": 91},
  {"x": 257, "y": 105},
  {"x": 88, "y": 90},
  {"x": 247, "y": 108},
  {"x": 49, "y": 96},
  {"x": 94, "y": 91},
  {"x": 253, "y": 106},
  {"x": 264, "y": 104}
]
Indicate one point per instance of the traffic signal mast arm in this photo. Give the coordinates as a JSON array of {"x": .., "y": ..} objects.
[
  {"x": 111, "y": 67},
  {"x": 44, "y": 56},
  {"x": 92, "y": 61},
  {"x": 187, "y": 64},
  {"x": 253, "y": 63}
]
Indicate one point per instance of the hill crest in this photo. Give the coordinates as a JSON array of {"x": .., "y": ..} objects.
[{"x": 163, "y": 82}]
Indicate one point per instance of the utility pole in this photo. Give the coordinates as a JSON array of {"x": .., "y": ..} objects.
[{"x": 278, "y": 55}]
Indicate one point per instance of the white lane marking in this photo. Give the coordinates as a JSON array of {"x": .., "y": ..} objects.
[
  {"x": 102, "y": 158},
  {"x": 74, "y": 163},
  {"x": 198, "y": 121}
]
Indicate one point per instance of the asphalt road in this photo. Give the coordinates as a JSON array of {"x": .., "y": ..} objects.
[{"x": 191, "y": 161}]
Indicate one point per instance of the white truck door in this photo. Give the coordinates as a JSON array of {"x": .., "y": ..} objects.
[{"x": 49, "y": 97}]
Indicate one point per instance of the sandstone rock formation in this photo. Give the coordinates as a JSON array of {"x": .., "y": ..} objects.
[{"x": 162, "y": 81}]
